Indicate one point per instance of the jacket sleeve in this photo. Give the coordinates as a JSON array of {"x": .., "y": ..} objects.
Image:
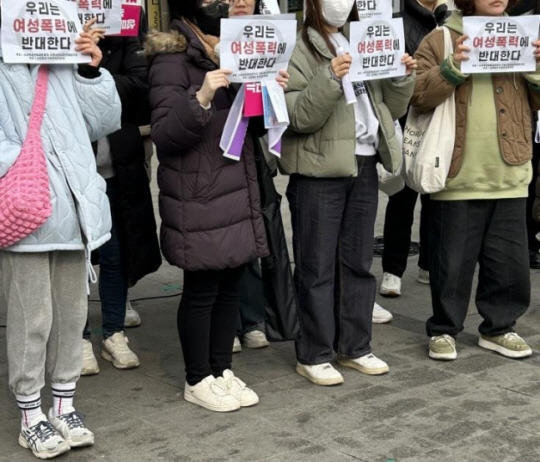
[
  {"x": 310, "y": 102},
  {"x": 533, "y": 81},
  {"x": 397, "y": 94},
  {"x": 433, "y": 74},
  {"x": 99, "y": 103},
  {"x": 178, "y": 119}
]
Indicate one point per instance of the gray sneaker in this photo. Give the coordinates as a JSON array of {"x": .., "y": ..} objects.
[
  {"x": 442, "y": 347},
  {"x": 510, "y": 345},
  {"x": 42, "y": 439}
]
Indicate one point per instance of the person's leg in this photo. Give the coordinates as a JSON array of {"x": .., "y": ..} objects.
[
  {"x": 397, "y": 231},
  {"x": 533, "y": 228},
  {"x": 504, "y": 288},
  {"x": 423, "y": 258},
  {"x": 317, "y": 206},
  {"x": 251, "y": 299}
]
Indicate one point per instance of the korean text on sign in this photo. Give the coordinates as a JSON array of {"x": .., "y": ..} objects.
[{"x": 374, "y": 9}]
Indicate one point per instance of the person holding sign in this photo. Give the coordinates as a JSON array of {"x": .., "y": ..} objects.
[
  {"x": 330, "y": 151},
  {"x": 479, "y": 217},
  {"x": 44, "y": 274}
]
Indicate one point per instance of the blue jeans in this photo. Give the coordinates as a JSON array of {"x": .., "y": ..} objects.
[
  {"x": 333, "y": 223},
  {"x": 113, "y": 278}
]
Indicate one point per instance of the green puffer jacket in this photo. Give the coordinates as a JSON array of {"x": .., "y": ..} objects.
[{"x": 320, "y": 141}]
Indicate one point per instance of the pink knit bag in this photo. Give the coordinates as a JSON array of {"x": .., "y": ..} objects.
[{"x": 25, "y": 196}]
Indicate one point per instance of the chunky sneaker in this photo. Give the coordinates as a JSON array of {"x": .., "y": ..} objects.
[
  {"x": 238, "y": 389},
  {"x": 116, "y": 350},
  {"x": 423, "y": 276},
  {"x": 391, "y": 285},
  {"x": 42, "y": 439},
  {"x": 211, "y": 394},
  {"x": 380, "y": 315},
  {"x": 442, "y": 347},
  {"x": 368, "y": 364},
  {"x": 72, "y": 428},
  {"x": 255, "y": 339},
  {"x": 132, "y": 318},
  {"x": 510, "y": 345},
  {"x": 320, "y": 374},
  {"x": 237, "y": 346},
  {"x": 89, "y": 361}
]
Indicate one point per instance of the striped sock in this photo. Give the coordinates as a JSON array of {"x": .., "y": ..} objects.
[
  {"x": 62, "y": 397},
  {"x": 30, "y": 407}
]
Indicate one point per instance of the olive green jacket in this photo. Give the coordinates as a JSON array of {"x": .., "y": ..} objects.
[{"x": 321, "y": 138}]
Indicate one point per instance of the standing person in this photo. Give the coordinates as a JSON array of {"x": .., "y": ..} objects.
[
  {"x": 44, "y": 275},
  {"x": 209, "y": 205},
  {"x": 479, "y": 217},
  {"x": 331, "y": 151},
  {"x": 133, "y": 250},
  {"x": 420, "y": 17}
]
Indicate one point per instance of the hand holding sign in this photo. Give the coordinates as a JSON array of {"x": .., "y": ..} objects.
[
  {"x": 410, "y": 63},
  {"x": 97, "y": 33},
  {"x": 341, "y": 65},
  {"x": 213, "y": 80},
  {"x": 87, "y": 46},
  {"x": 536, "y": 45},
  {"x": 461, "y": 52},
  {"x": 282, "y": 79}
]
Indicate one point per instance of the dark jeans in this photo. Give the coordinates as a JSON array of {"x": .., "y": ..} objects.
[
  {"x": 488, "y": 232},
  {"x": 333, "y": 221},
  {"x": 533, "y": 228},
  {"x": 113, "y": 277},
  {"x": 207, "y": 318},
  {"x": 398, "y": 222},
  {"x": 252, "y": 311}
]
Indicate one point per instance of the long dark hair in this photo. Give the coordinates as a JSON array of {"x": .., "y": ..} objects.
[
  {"x": 468, "y": 9},
  {"x": 314, "y": 19},
  {"x": 184, "y": 8}
]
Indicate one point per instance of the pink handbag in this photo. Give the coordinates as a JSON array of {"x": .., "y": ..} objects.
[{"x": 25, "y": 196}]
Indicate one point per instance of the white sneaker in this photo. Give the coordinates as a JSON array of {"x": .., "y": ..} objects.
[
  {"x": 255, "y": 339},
  {"x": 391, "y": 285},
  {"x": 132, "y": 318},
  {"x": 380, "y": 315},
  {"x": 42, "y": 439},
  {"x": 442, "y": 347},
  {"x": 237, "y": 346},
  {"x": 211, "y": 394},
  {"x": 72, "y": 428},
  {"x": 320, "y": 374},
  {"x": 423, "y": 276},
  {"x": 368, "y": 364},
  {"x": 238, "y": 389},
  {"x": 116, "y": 350},
  {"x": 89, "y": 361}
]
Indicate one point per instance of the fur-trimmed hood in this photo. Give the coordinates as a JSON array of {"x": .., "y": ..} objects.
[{"x": 157, "y": 43}]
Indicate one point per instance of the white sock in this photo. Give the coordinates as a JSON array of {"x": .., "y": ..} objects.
[
  {"x": 30, "y": 407},
  {"x": 62, "y": 398}
]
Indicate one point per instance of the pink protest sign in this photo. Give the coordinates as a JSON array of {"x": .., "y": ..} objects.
[
  {"x": 253, "y": 106},
  {"x": 130, "y": 20}
]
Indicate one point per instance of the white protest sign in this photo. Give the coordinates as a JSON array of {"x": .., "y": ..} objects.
[
  {"x": 269, "y": 7},
  {"x": 257, "y": 48},
  {"x": 374, "y": 9},
  {"x": 500, "y": 44},
  {"x": 108, "y": 14},
  {"x": 41, "y": 32},
  {"x": 377, "y": 47}
]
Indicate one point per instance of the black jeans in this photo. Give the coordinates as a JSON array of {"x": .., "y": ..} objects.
[
  {"x": 333, "y": 221},
  {"x": 207, "y": 318},
  {"x": 398, "y": 222},
  {"x": 252, "y": 310},
  {"x": 491, "y": 233}
]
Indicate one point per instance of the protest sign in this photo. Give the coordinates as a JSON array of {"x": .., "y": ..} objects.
[
  {"x": 108, "y": 14},
  {"x": 374, "y": 9},
  {"x": 41, "y": 32},
  {"x": 500, "y": 44},
  {"x": 377, "y": 47},
  {"x": 257, "y": 48},
  {"x": 131, "y": 18},
  {"x": 269, "y": 7}
]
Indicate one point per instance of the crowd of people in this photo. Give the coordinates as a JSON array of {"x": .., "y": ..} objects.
[{"x": 211, "y": 213}]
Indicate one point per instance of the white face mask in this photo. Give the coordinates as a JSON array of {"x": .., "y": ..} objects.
[{"x": 336, "y": 12}]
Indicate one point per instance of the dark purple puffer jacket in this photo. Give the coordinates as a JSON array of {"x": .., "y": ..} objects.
[{"x": 209, "y": 205}]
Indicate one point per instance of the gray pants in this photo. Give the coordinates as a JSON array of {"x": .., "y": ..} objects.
[{"x": 47, "y": 308}]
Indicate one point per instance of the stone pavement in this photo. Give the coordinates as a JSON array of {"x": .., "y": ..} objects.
[{"x": 479, "y": 408}]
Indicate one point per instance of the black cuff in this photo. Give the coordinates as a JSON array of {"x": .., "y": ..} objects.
[{"x": 87, "y": 71}]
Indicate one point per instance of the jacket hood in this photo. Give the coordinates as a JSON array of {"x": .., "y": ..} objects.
[
  {"x": 157, "y": 43},
  {"x": 455, "y": 21},
  {"x": 421, "y": 13}
]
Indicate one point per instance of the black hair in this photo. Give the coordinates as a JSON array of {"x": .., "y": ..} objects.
[{"x": 184, "y": 8}]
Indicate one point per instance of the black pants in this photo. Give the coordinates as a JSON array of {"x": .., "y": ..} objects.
[
  {"x": 488, "y": 232},
  {"x": 252, "y": 311},
  {"x": 207, "y": 318},
  {"x": 533, "y": 228},
  {"x": 398, "y": 222}
]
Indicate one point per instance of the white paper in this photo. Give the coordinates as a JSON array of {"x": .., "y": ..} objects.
[
  {"x": 377, "y": 47},
  {"x": 374, "y": 9},
  {"x": 256, "y": 49},
  {"x": 277, "y": 99},
  {"x": 108, "y": 14},
  {"x": 269, "y": 7},
  {"x": 500, "y": 44},
  {"x": 41, "y": 32}
]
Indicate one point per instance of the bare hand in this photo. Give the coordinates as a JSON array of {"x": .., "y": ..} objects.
[
  {"x": 97, "y": 33},
  {"x": 341, "y": 65},
  {"x": 409, "y": 62},
  {"x": 536, "y": 45},
  {"x": 212, "y": 81},
  {"x": 87, "y": 46},
  {"x": 283, "y": 79},
  {"x": 461, "y": 52}
]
